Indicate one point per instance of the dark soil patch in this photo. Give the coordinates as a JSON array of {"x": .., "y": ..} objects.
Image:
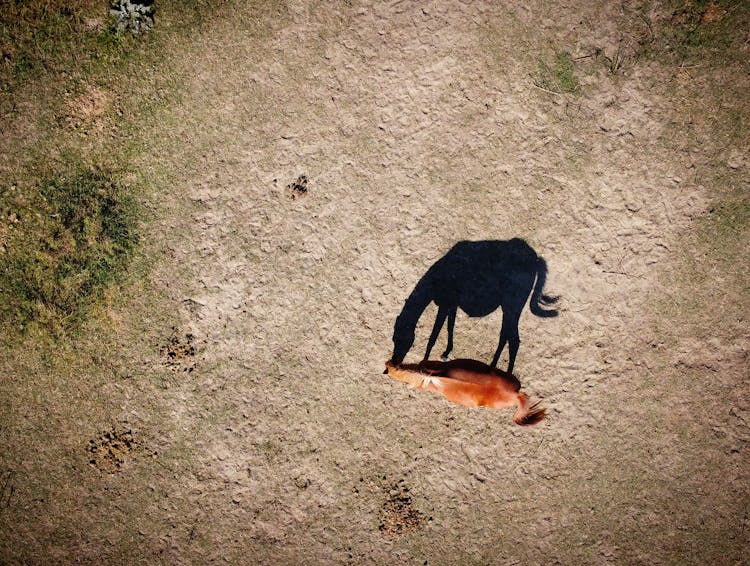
[
  {"x": 179, "y": 352},
  {"x": 399, "y": 515},
  {"x": 7, "y": 489},
  {"x": 110, "y": 449},
  {"x": 298, "y": 187}
]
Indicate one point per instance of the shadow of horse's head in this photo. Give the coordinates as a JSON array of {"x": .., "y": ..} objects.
[{"x": 402, "y": 343}]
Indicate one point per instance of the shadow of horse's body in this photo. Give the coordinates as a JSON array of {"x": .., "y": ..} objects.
[{"x": 477, "y": 277}]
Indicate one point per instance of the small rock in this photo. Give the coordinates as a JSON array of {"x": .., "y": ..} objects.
[
  {"x": 136, "y": 17},
  {"x": 633, "y": 206}
]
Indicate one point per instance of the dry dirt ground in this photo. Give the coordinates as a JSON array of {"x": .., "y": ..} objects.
[{"x": 232, "y": 408}]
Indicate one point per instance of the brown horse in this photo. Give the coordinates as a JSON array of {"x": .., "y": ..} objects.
[{"x": 470, "y": 383}]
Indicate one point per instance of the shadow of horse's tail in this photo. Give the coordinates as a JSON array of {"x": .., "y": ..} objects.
[
  {"x": 538, "y": 298},
  {"x": 528, "y": 414}
]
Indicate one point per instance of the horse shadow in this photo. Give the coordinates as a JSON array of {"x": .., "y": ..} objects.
[{"x": 478, "y": 277}]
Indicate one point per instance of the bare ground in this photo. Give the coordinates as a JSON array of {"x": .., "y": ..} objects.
[{"x": 270, "y": 435}]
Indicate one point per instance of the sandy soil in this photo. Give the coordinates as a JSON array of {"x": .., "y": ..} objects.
[{"x": 270, "y": 435}]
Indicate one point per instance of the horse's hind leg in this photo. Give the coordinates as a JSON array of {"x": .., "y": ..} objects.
[
  {"x": 436, "y": 328},
  {"x": 451, "y": 324}
]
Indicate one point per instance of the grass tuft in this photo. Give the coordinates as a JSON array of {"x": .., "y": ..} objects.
[{"x": 558, "y": 77}]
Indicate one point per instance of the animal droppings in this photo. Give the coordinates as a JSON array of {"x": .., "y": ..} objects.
[{"x": 298, "y": 187}]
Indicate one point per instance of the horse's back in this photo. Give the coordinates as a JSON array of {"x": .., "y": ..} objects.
[
  {"x": 473, "y": 392},
  {"x": 478, "y": 372}
]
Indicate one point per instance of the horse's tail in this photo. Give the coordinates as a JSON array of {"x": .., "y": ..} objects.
[
  {"x": 528, "y": 414},
  {"x": 538, "y": 298}
]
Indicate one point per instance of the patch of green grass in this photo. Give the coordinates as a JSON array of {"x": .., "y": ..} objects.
[
  {"x": 65, "y": 238},
  {"x": 729, "y": 219},
  {"x": 723, "y": 238},
  {"x": 61, "y": 246},
  {"x": 51, "y": 36},
  {"x": 559, "y": 76},
  {"x": 697, "y": 28},
  {"x": 710, "y": 279},
  {"x": 48, "y": 37}
]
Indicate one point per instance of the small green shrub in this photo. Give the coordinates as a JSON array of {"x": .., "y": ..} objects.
[
  {"x": 558, "y": 77},
  {"x": 68, "y": 241}
]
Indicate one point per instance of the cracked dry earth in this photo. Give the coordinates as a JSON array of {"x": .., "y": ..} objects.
[{"x": 414, "y": 126}]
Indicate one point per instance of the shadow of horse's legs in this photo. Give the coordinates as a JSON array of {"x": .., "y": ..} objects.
[
  {"x": 513, "y": 345},
  {"x": 451, "y": 324},
  {"x": 509, "y": 335},
  {"x": 436, "y": 328},
  {"x": 443, "y": 313}
]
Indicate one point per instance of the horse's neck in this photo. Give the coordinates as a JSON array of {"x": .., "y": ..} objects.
[{"x": 414, "y": 306}]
